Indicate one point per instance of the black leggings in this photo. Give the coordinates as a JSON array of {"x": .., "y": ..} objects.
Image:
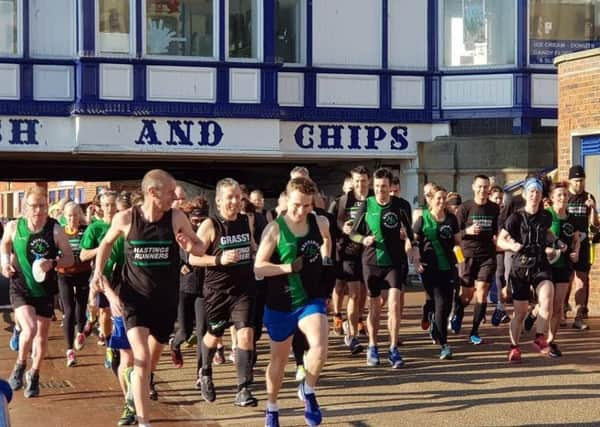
[
  {"x": 74, "y": 291},
  {"x": 185, "y": 318},
  {"x": 439, "y": 285}
]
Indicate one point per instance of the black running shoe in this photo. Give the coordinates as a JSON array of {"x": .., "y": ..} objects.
[
  {"x": 32, "y": 386},
  {"x": 207, "y": 388},
  {"x": 554, "y": 350},
  {"x": 244, "y": 398},
  {"x": 16, "y": 377}
]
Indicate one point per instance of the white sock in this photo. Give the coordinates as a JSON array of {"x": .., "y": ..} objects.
[
  {"x": 500, "y": 306},
  {"x": 308, "y": 389},
  {"x": 272, "y": 407}
]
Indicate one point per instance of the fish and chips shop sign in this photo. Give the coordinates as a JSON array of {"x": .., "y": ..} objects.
[{"x": 216, "y": 137}]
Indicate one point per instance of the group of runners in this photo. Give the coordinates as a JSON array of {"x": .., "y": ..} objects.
[{"x": 149, "y": 267}]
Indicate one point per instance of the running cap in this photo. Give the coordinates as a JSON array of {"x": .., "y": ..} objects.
[
  {"x": 533, "y": 183},
  {"x": 576, "y": 171}
]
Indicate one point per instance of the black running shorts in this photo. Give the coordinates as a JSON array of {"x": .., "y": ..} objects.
[
  {"x": 481, "y": 269},
  {"x": 521, "y": 282},
  {"x": 224, "y": 310},
  {"x": 19, "y": 296},
  {"x": 380, "y": 279}
]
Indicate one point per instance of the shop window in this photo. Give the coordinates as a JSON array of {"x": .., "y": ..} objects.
[
  {"x": 44, "y": 19},
  {"x": 243, "y": 29},
  {"x": 289, "y": 31},
  {"x": 181, "y": 28},
  {"x": 478, "y": 33},
  {"x": 557, "y": 27},
  {"x": 115, "y": 36},
  {"x": 10, "y": 27}
]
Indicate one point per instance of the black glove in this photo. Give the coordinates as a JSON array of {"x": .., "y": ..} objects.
[{"x": 297, "y": 264}]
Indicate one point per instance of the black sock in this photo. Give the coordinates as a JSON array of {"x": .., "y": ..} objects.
[
  {"x": 207, "y": 357},
  {"x": 514, "y": 346},
  {"x": 338, "y": 315},
  {"x": 478, "y": 315},
  {"x": 537, "y": 335},
  {"x": 243, "y": 362}
]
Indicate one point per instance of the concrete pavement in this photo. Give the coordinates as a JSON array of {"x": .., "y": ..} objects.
[{"x": 477, "y": 388}]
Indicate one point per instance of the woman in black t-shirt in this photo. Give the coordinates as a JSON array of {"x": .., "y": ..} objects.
[
  {"x": 527, "y": 234},
  {"x": 437, "y": 232}
]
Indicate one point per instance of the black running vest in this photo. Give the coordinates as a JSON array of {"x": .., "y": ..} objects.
[
  {"x": 152, "y": 256},
  {"x": 231, "y": 278}
]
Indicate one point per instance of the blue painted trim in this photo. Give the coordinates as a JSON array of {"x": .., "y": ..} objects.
[
  {"x": 222, "y": 86},
  {"x": 384, "y": 34},
  {"x": 139, "y": 26},
  {"x": 269, "y": 23},
  {"x": 222, "y": 29},
  {"x": 26, "y": 82},
  {"x": 522, "y": 36},
  {"x": 310, "y": 90},
  {"x": 36, "y": 108},
  {"x": 432, "y": 35},
  {"x": 385, "y": 93},
  {"x": 139, "y": 83},
  {"x": 26, "y": 29},
  {"x": 309, "y": 34},
  {"x": 522, "y": 90},
  {"x": 88, "y": 10},
  {"x": 590, "y": 145}
]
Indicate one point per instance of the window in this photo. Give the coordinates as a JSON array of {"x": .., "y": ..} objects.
[
  {"x": 52, "y": 196},
  {"x": 288, "y": 31},
  {"x": 478, "y": 33},
  {"x": 10, "y": 27},
  {"x": 71, "y": 194},
  {"x": 61, "y": 194},
  {"x": 80, "y": 195},
  {"x": 44, "y": 19},
  {"x": 181, "y": 28},
  {"x": 558, "y": 26},
  {"x": 114, "y": 27},
  {"x": 244, "y": 29}
]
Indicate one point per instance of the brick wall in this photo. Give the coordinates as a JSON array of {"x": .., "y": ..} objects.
[
  {"x": 9, "y": 192},
  {"x": 579, "y": 114}
]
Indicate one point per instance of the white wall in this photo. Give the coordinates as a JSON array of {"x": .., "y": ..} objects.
[
  {"x": 544, "y": 91},
  {"x": 185, "y": 84},
  {"x": 53, "y": 28},
  {"x": 347, "y": 90},
  {"x": 347, "y": 33},
  {"x": 407, "y": 27},
  {"x": 477, "y": 91}
]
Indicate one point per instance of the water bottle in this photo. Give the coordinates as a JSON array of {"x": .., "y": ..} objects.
[{"x": 460, "y": 256}]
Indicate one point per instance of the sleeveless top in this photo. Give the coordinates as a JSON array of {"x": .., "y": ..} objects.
[
  {"x": 289, "y": 292},
  {"x": 151, "y": 257},
  {"x": 28, "y": 247},
  {"x": 75, "y": 244},
  {"x": 231, "y": 278}
]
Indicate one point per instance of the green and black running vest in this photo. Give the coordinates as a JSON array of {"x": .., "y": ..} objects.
[
  {"x": 289, "y": 292},
  {"x": 30, "y": 246},
  {"x": 231, "y": 278},
  {"x": 151, "y": 257},
  {"x": 564, "y": 229},
  {"x": 431, "y": 231}
]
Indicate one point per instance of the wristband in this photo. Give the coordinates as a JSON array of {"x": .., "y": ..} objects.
[
  {"x": 327, "y": 261},
  {"x": 218, "y": 259},
  {"x": 4, "y": 259}
]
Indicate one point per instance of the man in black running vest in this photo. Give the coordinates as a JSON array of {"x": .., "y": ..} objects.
[
  {"x": 229, "y": 292},
  {"x": 147, "y": 297},
  {"x": 349, "y": 255}
]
